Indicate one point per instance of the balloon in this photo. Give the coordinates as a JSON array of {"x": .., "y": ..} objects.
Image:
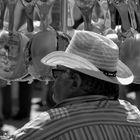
[
  {"x": 130, "y": 55},
  {"x": 41, "y": 44},
  {"x": 12, "y": 45}
]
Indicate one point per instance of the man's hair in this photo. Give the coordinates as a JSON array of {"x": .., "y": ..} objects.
[{"x": 95, "y": 86}]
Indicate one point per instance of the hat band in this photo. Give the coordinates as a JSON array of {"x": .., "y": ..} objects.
[{"x": 109, "y": 73}]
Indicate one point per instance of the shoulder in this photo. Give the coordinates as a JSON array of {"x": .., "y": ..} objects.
[
  {"x": 132, "y": 112},
  {"x": 45, "y": 122}
]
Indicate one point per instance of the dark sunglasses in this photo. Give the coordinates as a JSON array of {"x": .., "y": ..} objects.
[{"x": 58, "y": 72}]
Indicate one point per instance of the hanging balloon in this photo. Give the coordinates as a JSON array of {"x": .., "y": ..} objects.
[
  {"x": 23, "y": 30},
  {"x": 12, "y": 66},
  {"x": 32, "y": 67},
  {"x": 130, "y": 55},
  {"x": 41, "y": 43},
  {"x": 12, "y": 45},
  {"x": 44, "y": 42}
]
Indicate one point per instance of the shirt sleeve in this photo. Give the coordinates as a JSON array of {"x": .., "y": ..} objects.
[{"x": 31, "y": 127}]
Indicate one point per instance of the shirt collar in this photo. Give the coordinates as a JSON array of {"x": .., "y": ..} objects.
[{"x": 81, "y": 99}]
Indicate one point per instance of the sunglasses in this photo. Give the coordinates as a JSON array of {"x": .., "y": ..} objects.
[{"x": 58, "y": 72}]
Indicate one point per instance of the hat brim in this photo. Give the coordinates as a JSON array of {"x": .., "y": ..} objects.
[{"x": 124, "y": 75}]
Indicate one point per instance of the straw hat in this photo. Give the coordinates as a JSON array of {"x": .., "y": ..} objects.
[{"x": 94, "y": 55}]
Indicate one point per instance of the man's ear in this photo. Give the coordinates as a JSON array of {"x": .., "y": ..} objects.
[{"x": 76, "y": 80}]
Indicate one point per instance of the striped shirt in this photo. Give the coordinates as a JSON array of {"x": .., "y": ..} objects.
[{"x": 85, "y": 118}]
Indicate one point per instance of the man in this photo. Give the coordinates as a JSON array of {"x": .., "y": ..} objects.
[{"x": 85, "y": 90}]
